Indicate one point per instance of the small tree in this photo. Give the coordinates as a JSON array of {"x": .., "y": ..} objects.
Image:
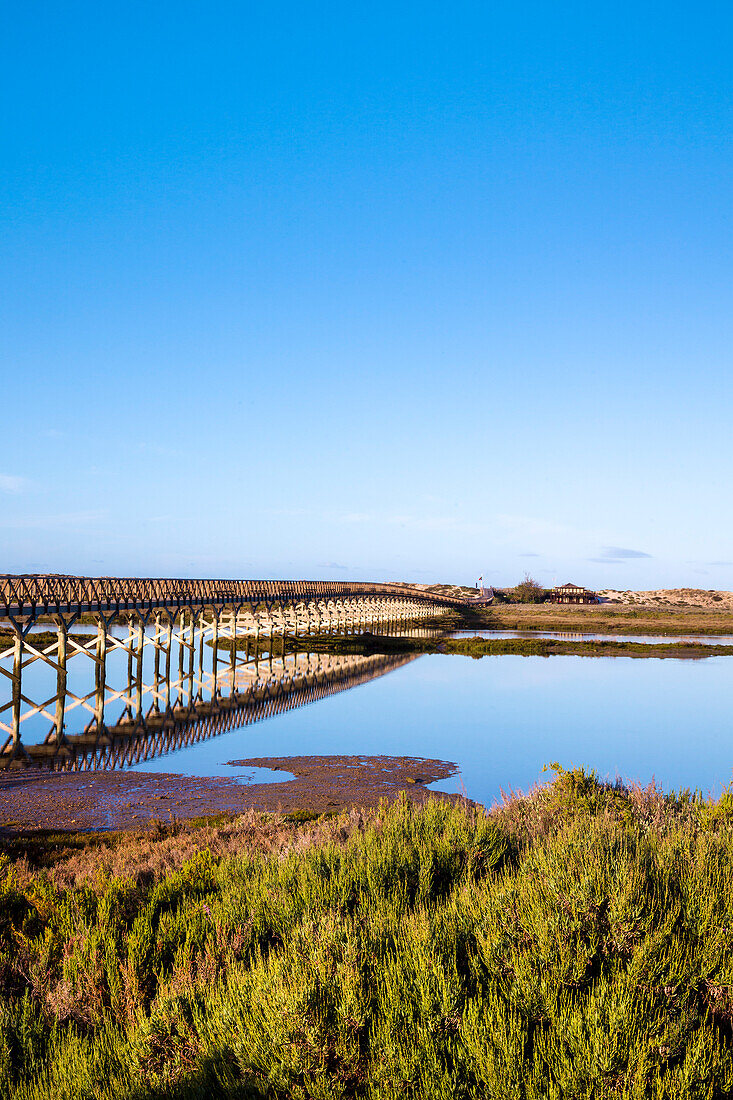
[{"x": 529, "y": 591}]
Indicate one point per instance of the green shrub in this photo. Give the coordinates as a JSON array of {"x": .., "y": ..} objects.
[
  {"x": 572, "y": 943},
  {"x": 527, "y": 591}
]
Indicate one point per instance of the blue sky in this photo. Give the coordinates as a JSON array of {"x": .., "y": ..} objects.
[{"x": 368, "y": 290}]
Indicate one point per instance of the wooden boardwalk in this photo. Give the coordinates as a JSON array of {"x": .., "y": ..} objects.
[{"x": 153, "y": 645}]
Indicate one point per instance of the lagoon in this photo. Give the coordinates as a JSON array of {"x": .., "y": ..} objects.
[{"x": 501, "y": 719}]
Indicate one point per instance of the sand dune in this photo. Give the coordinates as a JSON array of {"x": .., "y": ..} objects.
[{"x": 671, "y": 597}]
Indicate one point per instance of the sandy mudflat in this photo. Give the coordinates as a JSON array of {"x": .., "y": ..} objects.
[{"x": 80, "y": 801}]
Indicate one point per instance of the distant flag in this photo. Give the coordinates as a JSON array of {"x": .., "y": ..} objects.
[{"x": 480, "y": 584}]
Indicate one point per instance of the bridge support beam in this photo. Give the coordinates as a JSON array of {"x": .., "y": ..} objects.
[
  {"x": 17, "y": 686},
  {"x": 61, "y": 679}
]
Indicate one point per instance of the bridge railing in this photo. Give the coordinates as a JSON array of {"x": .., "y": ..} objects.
[{"x": 38, "y": 594}]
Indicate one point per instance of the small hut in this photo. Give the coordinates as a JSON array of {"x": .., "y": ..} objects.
[{"x": 573, "y": 593}]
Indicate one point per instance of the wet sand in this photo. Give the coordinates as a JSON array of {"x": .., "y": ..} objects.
[{"x": 83, "y": 801}]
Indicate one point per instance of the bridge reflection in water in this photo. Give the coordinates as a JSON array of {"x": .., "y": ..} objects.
[
  {"x": 104, "y": 672},
  {"x": 136, "y": 738}
]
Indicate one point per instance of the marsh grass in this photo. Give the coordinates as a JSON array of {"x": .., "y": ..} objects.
[
  {"x": 574, "y": 942},
  {"x": 367, "y": 644},
  {"x": 42, "y": 638},
  {"x": 560, "y": 647}
]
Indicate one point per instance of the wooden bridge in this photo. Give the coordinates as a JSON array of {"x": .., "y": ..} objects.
[
  {"x": 133, "y": 633},
  {"x": 53, "y": 594}
]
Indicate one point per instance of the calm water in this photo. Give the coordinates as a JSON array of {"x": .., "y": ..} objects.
[
  {"x": 643, "y": 639},
  {"x": 500, "y": 718},
  {"x": 503, "y": 718}
]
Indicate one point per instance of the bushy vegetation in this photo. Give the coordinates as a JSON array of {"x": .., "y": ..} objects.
[
  {"x": 572, "y": 943},
  {"x": 528, "y": 591}
]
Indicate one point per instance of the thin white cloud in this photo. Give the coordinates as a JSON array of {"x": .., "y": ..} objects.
[
  {"x": 417, "y": 522},
  {"x": 11, "y": 483},
  {"x": 530, "y": 526},
  {"x": 52, "y": 522},
  {"x": 615, "y": 553},
  {"x": 357, "y": 517}
]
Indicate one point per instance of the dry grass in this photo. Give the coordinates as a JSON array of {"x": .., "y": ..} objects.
[
  {"x": 146, "y": 857},
  {"x": 661, "y": 611},
  {"x": 607, "y": 618}
]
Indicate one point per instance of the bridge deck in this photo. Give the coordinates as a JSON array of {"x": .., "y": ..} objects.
[{"x": 52, "y": 594}]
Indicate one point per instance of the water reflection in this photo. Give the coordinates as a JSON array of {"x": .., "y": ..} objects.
[
  {"x": 234, "y": 700},
  {"x": 502, "y": 718},
  {"x": 499, "y": 718},
  {"x": 574, "y": 636}
]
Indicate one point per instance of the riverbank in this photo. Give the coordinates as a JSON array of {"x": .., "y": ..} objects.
[
  {"x": 368, "y": 645},
  {"x": 571, "y": 942},
  {"x": 32, "y": 800},
  {"x": 604, "y": 618}
]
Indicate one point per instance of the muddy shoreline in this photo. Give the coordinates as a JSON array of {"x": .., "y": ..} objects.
[{"x": 33, "y": 800}]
